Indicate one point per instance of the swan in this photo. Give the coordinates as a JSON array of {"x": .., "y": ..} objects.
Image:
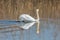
[{"x": 30, "y": 20}]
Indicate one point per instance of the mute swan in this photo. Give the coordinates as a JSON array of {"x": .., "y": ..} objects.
[
  {"x": 31, "y": 20},
  {"x": 26, "y": 18}
]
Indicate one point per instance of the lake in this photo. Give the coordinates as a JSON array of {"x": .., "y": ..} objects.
[{"x": 49, "y": 30}]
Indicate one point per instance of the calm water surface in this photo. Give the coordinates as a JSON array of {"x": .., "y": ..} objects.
[{"x": 49, "y": 30}]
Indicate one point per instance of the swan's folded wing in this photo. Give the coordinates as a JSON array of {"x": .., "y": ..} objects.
[
  {"x": 28, "y": 25},
  {"x": 25, "y": 17}
]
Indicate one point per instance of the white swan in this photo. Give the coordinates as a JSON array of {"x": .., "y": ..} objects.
[
  {"x": 31, "y": 20},
  {"x": 26, "y": 18}
]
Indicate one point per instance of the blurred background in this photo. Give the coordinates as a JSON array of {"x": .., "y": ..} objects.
[{"x": 11, "y": 9}]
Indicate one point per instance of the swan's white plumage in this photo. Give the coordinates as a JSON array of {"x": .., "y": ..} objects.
[
  {"x": 30, "y": 20},
  {"x": 26, "y": 17}
]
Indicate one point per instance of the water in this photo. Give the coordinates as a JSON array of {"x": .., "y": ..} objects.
[{"x": 49, "y": 30}]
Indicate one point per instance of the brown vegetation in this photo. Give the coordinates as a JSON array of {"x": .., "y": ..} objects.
[{"x": 11, "y": 9}]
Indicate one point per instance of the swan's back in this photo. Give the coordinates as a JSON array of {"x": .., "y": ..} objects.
[{"x": 26, "y": 17}]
